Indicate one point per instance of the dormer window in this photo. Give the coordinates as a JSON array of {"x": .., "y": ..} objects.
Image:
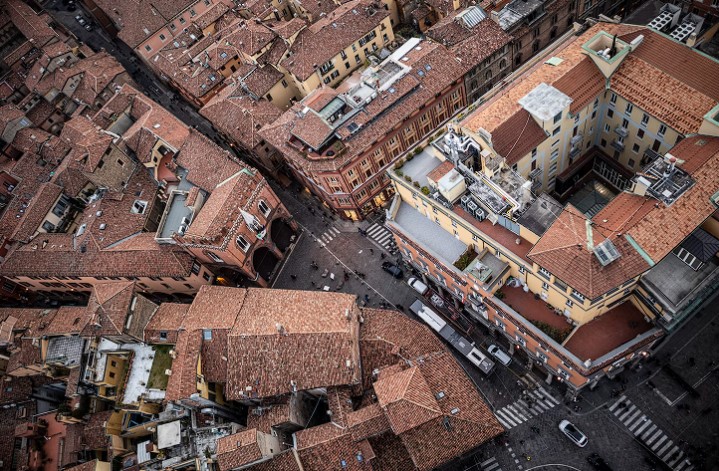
[{"x": 138, "y": 207}]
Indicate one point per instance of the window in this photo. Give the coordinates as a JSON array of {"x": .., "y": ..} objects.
[
  {"x": 629, "y": 108},
  {"x": 242, "y": 243},
  {"x": 558, "y": 118},
  {"x": 214, "y": 257},
  {"x": 545, "y": 286},
  {"x": 569, "y": 303},
  {"x": 563, "y": 374},
  {"x": 556, "y": 131},
  {"x": 578, "y": 296},
  {"x": 607, "y": 127},
  {"x": 148, "y": 48},
  {"x": 610, "y": 113},
  {"x": 206, "y": 334},
  {"x": 520, "y": 340},
  {"x": 500, "y": 324},
  {"x": 662, "y": 130},
  {"x": 640, "y": 133},
  {"x": 195, "y": 268},
  {"x": 163, "y": 335},
  {"x": 264, "y": 209},
  {"x": 193, "y": 12},
  {"x": 542, "y": 357},
  {"x": 182, "y": 20},
  {"x": 162, "y": 37},
  {"x": 613, "y": 98},
  {"x": 686, "y": 257},
  {"x": 113, "y": 363},
  {"x": 645, "y": 119},
  {"x": 521, "y": 269},
  {"x": 635, "y": 149},
  {"x": 625, "y": 123},
  {"x": 112, "y": 374},
  {"x": 544, "y": 272}
]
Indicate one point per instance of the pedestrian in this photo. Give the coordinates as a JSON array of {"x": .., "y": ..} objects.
[
  {"x": 366, "y": 298},
  {"x": 371, "y": 251},
  {"x": 294, "y": 277}
]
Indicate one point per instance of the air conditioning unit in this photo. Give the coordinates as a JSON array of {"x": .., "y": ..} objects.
[{"x": 480, "y": 214}]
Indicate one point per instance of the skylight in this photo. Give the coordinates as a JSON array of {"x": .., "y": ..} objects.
[{"x": 606, "y": 252}]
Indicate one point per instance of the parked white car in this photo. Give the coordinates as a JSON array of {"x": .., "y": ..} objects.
[
  {"x": 501, "y": 356},
  {"x": 573, "y": 433},
  {"x": 417, "y": 285}
]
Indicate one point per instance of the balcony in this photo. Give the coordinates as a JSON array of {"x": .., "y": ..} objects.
[
  {"x": 618, "y": 144},
  {"x": 575, "y": 151},
  {"x": 621, "y": 131},
  {"x": 536, "y": 173},
  {"x": 538, "y": 312}
]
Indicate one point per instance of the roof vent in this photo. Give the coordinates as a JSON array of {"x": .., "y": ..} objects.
[{"x": 103, "y": 226}]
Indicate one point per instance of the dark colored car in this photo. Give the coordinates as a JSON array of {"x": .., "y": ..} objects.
[
  {"x": 392, "y": 269},
  {"x": 598, "y": 462}
]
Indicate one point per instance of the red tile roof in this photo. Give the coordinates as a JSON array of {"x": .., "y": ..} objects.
[
  {"x": 207, "y": 164},
  {"x": 563, "y": 251},
  {"x": 517, "y": 136},
  {"x": 291, "y": 326},
  {"x": 331, "y": 34},
  {"x": 238, "y": 449},
  {"x": 583, "y": 85},
  {"x": 406, "y": 399},
  {"x": 663, "y": 228}
]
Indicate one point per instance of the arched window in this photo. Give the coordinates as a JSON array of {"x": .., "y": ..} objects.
[
  {"x": 216, "y": 258},
  {"x": 242, "y": 243},
  {"x": 264, "y": 209},
  {"x": 488, "y": 75},
  {"x": 503, "y": 63}
]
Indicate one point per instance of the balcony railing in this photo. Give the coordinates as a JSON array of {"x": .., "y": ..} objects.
[
  {"x": 622, "y": 131},
  {"x": 617, "y": 144},
  {"x": 536, "y": 173}
]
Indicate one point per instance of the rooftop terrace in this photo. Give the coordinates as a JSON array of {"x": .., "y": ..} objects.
[{"x": 612, "y": 329}]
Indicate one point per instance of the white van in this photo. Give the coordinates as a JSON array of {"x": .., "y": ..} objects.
[{"x": 417, "y": 285}]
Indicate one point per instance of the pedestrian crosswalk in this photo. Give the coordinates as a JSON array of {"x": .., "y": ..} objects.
[
  {"x": 644, "y": 430},
  {"x": 532, "y": 404},
  {"x": 381, "y": 235},
  {"x": 490, "y": 465},
  {"x": 328, "y": 236}
]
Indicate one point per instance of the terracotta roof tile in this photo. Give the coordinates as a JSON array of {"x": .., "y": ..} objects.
[
  {"x": 671, "y": 101},
  {"x": 441, "y": 170},
  {"x": 265, "y": 417},
  {"x": 168, "y": 319},
  {"x": 238, "y": 449},
  {"x": 583, "y": 85},
  {"x": 563, "y": 251},
  {"x": 291, "y": 326},
  {"x": 367, "y": 422},
  {"x": 406, "y": 399},
  {"x": 207, "y": 163},
  {"x": 691, "y": 209},
  {"x": 239, "y": 116},
  {"x": 329, "y": 35},
  {"x": 327, "y": 444},
  {"x": 69, "y": 320},
  {"x": 517, "y": 136}
]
